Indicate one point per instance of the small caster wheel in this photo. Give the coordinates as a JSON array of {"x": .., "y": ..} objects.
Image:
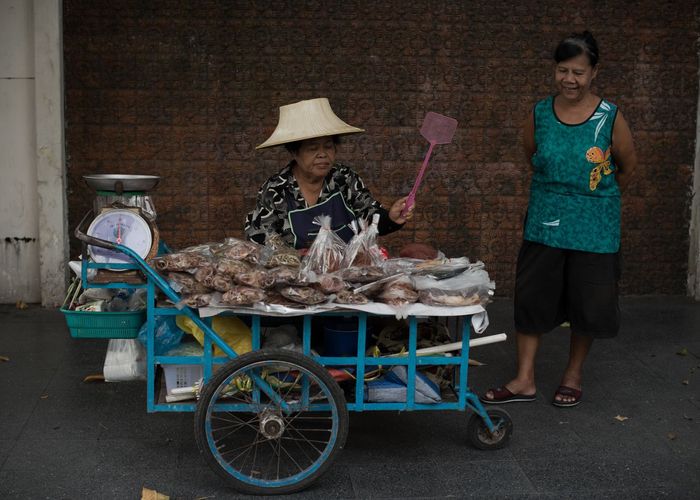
[{"x": 479, "y": 433}]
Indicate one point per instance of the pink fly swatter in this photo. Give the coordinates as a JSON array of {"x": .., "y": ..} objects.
[{"x": 438, "y": 129}]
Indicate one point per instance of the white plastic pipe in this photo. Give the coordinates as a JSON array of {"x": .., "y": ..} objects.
[
  {"x": 491, "y": 339},
  {"x": 455, "y": 346},
  {"x": 184, "y": 390}
]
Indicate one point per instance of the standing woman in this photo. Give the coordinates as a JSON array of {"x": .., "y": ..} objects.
[{"x": 582, "y": 155}]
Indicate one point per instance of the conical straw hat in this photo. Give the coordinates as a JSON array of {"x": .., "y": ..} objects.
[{"x": 307, "y": 120}]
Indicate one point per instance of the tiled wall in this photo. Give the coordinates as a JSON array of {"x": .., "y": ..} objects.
[{"x": 186, "y": 90}]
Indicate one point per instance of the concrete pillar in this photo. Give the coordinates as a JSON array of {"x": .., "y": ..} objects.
[
  {"x": 694, "y": 247},
  {"x": 19, "y": 228},
  {"x": 50, "y": 164}
]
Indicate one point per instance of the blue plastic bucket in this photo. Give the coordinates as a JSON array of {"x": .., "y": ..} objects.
[{"x": 340, "y": 338}]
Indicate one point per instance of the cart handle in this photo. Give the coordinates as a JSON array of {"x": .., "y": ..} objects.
[
  {"x": 91, "y": 240},
  {"x": 172, "y": 295}
]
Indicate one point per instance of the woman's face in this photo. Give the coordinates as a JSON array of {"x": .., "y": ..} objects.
[
  {"x": 315, "y": 157},
  {"x": 573, "y": 77}
]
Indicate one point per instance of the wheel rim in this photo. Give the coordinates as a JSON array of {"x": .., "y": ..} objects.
[
  {"x": 255, "y": 441},
  {"x": 491, "y": 437},
  {"x": 500, "y": 429}
]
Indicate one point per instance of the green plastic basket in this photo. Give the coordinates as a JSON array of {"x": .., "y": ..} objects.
[{"x": 104, "y": 325}]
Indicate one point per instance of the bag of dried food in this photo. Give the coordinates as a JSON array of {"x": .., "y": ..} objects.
[
  {"x": 237, "y": 249},
  {"x": 277, "y": 253},
  {"x": 398, "y": 293},
  {"x": 472, "y": 286},
  {"x": 362, "y": 250},
  {"x": 326, "y": 252}
]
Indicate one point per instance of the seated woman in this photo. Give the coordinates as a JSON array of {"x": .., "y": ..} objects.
[{"x": 313, "y": 183}]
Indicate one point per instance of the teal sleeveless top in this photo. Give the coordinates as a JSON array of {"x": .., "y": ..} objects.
[{"x": 574, "y": 197}]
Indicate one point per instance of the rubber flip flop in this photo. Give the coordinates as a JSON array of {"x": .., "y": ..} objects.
[
  {"x": 564, "y": 390},
  {"x": 502, "y": 395}
]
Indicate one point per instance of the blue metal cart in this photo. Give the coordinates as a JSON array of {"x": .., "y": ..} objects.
[{"x": 271, "y": 421}]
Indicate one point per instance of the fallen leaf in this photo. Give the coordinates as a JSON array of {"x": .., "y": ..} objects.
[
  {"x": 94, "y": 378},
  {"x": 4, "y": 358},
  {"x": 44, "y": 396},
  {"x": 683, "y": 352},
  {"x": 20, "y": 304},
  {"x": 685, "y": 382},
  {"x": 621, "y": 418},
  {"x": 672, "y": 435},
  {"x": 147, "y": 494}
]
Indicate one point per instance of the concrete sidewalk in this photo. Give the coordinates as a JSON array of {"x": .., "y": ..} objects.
[{"x": 636, "y": 434}]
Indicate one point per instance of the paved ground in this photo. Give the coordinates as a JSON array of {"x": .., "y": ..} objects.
[{"x": 62, "y": 438}]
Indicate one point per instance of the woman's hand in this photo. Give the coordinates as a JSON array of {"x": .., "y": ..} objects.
[{"x": 397, "y": 208}]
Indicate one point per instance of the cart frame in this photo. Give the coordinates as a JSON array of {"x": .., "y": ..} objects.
[{"x": 481, "y": 423}]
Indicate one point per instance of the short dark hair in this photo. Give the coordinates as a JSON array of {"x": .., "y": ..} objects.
[
  {"x": 575, "y": 45},
  {"x": 293, "y": 147}
]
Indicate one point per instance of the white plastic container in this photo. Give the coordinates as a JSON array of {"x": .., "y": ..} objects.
[{"x": 177, "y": 376}]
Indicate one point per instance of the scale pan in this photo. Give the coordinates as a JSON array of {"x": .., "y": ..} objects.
[{"x": 121, "y": 182}]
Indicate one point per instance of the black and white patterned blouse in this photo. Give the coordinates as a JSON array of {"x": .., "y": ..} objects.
[{"x": 281, "y": 193}]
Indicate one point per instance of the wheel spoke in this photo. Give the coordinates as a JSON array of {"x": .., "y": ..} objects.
[
  {"x": 279, "y": 457},
  {"x": 311, "y": 460},
  {"x": 305, "y": 439},
  {"x": 290, "y": 457},
  {"x": 246, "y": 446},
  {"x": 252, "y": 446},
  {"x": 238, "y": 424}
]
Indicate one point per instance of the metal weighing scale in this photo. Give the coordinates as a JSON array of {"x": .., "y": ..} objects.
[{"x": 124, "y": 214}]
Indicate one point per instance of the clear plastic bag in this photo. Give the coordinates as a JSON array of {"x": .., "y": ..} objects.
[
  {"x": 278, "y": 253},
  {"x": 399, "y": 292},
  {"x": 181, "y": 261},
  {"x": 303, "y": 294},
  {"x": 437, "y": 268},
  {"x": 362, "y": 250},
  {"x": 330, "y": 283},
  {"x": 185, "y": 283},
  {"x": 237, "y": 249},
  {"x": 326, "y": 252},
  {"x": 240, "y": 295},
  {"x": 125, "y": 361},
  {"x": 474, "y": 275},
  {"x": 455, "y": 298},
  {"x": 470, "y": 287}
]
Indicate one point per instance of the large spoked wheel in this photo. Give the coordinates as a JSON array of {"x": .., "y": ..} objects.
[
  {"x": 482, "y": 438},
  {"x": 251, "y": 441}
]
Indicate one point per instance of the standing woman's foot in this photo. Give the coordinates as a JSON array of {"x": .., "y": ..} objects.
[
  {"x": 513, "y": 392},
  {"x": 566, "y": 396},
  {"x": 569, "y": 392}
]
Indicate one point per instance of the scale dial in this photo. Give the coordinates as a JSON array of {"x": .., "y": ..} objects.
[{"x": 123, "y": 227}]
